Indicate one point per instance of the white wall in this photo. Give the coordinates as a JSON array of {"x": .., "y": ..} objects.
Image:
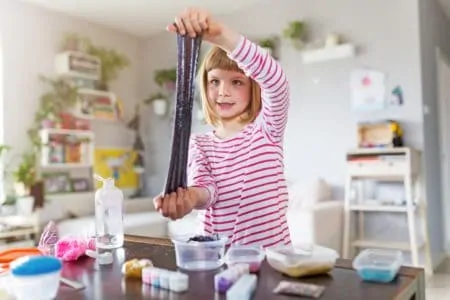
[{"x": 30, "y": 40}]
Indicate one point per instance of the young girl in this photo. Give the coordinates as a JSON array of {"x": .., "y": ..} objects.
[{"x": 236, "y": 172}]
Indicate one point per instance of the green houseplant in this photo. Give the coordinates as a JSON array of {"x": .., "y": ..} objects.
[
  {"x": 166, "y": 78},
  {"x": 60, "y": 96},
  {"x": 295, "y": 32},
  {"x": 112, "y": 62},
  {"x": 25, "y": 174}
]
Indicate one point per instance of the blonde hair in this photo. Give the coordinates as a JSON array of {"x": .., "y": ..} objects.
[{"x": 217, "y": 58}]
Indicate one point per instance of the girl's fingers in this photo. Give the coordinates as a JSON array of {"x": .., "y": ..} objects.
[
  {"x": 166, "y": 204},
  {"x": 195, "y": 22},
  {"x": 172, "y": 28},
  {"x": 180, "y": 205},
  {"x": 172, "y": 206},
  {"x": 180, "y": 26},
  {"x": 187, "y": 21},
  {"x": 157, "y": 203}
]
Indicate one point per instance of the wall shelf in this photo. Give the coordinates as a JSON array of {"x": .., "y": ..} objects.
[{"x": 328, "y": 53}]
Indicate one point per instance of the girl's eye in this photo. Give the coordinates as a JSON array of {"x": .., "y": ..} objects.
[
  {"x": 237, "y": 82},
  {"x": 214, "y": 81}
]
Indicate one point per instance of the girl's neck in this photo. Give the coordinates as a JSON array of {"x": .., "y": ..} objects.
[{"x": 228, "y": 129}]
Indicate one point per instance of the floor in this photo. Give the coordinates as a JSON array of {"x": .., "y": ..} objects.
[{"x": 438, "y": 285}]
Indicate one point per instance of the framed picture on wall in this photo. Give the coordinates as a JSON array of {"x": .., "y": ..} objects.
[
  {"x": 57, "y": 182},
  {"x": 93, "y": 104}
]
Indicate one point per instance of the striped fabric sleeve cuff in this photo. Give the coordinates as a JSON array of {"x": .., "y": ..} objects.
[{"x": 211, "y": 192}]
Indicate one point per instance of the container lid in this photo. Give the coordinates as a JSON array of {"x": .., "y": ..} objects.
[
  {"x": 238, "y": 253},
  {"x": 378, "y": 259},
  {"x": 35, "y": 265},
  {"x": 290, "y": 256}
]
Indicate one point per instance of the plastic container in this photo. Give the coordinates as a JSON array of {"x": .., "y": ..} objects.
[
  {"x": 197, "y": 256},
  {"x": 35, "y": 277},
  {"x": 378, "y": 265},
  {"x": 227, "y": 278},
  {"x": 300, "y": 262},
  {"x": 253, "y": 256}
]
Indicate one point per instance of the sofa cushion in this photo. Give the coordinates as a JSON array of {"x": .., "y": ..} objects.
[{"x": 308, "y": 194}]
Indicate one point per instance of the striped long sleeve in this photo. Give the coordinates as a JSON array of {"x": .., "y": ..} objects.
[{"x": 267, "y": 72}]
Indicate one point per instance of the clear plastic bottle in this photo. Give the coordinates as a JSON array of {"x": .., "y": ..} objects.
[{"x": 108, "y": 215}]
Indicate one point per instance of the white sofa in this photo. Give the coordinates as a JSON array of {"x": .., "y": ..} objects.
[{"x": 312, "y": 216}]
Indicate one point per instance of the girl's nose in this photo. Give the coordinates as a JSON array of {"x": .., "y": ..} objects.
[{"x": 223, "y": 90}]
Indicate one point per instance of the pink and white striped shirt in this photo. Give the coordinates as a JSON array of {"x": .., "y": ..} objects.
[{"x": 244, "y": 174}]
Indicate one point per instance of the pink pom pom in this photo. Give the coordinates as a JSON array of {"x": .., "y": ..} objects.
[{"x": 70, "y": 249}]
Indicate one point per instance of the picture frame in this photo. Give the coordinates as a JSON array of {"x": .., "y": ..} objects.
[
  {"x": 57, "y": 182},
  {"x": 80, "y": 185},
  {"x": 93, "y": 104}
]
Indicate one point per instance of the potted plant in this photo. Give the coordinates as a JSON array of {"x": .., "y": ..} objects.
[
  {"x": 159, "y": 103},
  {"x": 9, "y": 205},
  {"x": 268, "y": 44},
  {"x": 295, "y": 32},
  {"x": 166, "y": 78},
  {"x": 112, "y": 62},
  {"x": 25, "y": 174},
  {"x": 73, "y": 42}
]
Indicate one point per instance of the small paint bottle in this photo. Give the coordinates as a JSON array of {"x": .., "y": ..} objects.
[
  {"x": 154, "y": 278},
  {"x": 164, "y": 279},
  {"x": 178, "y": 282}
]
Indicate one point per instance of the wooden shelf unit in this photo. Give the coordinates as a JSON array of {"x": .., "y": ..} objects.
[{"x": 386, "y": 164}]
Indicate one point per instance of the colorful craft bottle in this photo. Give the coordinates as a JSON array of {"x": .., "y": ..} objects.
[{"x": 108, "y": 215}]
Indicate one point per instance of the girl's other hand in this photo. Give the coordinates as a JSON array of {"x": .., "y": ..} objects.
[{"x": 176, "y": 205}]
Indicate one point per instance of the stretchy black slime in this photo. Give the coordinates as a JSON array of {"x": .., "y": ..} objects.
[{"x": 188, "y": 55}]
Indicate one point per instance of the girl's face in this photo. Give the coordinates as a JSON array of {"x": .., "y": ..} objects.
[{"x": 229, "y": 93}]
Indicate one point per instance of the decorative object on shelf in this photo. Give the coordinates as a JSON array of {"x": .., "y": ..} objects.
[
  {"x": 60, "y": 96},
  {"x": 78, "y": 64},
  {"x": 333, "y": 39},
  {"x": 139, "y": 148},
  {"x": 385, "y": 134},
  {"x": 93, "y": 104},
  {"x": 295, "y": 32},
  {"x": 166, "y": 78},
  {"x": 66, "y": 147},
  {"x": 159, "y": 103},
  {"x": 73, "y": 42},
  {"x": 9, "y": 205},
  {"x": 25, "y": 174},
  {"x": 117, "y": 163},
  {"x": 80, "y": 184},
  {"x": 112, "y": 62},
  {"x": 57, "y": 182}
]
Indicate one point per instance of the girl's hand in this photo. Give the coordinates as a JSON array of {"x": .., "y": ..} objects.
[
  {"x": 176, "y": 205},
  {"x": 196, "y": 21}
]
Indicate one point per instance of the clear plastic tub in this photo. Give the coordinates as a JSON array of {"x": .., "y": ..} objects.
[
  {"x": 300, "y": 262},
  {"x": 251, "y": 255},
  {"x": 197, "y": 256},
  {"x": 378, "y": 265}
]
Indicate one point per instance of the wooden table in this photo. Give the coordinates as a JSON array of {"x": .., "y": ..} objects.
[{"x": 108, "y": 283}]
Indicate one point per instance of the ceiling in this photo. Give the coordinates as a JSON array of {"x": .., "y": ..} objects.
[{"x": 141, "y": 18}]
